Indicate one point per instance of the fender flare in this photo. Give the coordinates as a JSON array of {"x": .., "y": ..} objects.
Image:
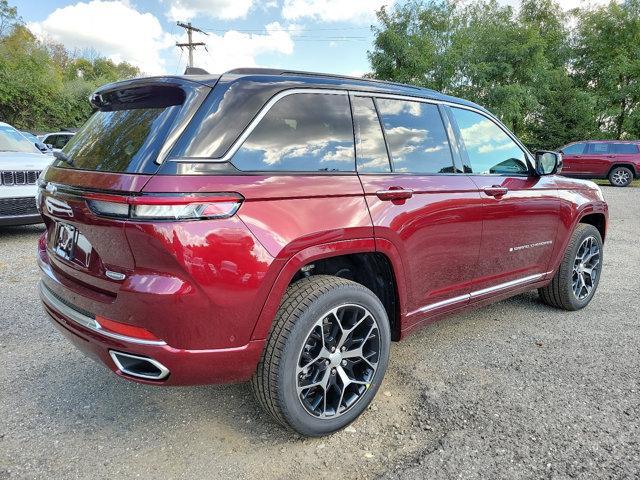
[{"x": 317, "y": 252}]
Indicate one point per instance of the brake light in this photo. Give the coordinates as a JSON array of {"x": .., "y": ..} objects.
[
  {"x": 125, "y": 329},
  {"x": 165, "y": 207}
]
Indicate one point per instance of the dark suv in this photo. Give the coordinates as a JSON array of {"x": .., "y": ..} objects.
[
  {"x": 284, "y": 227},
  {"x": 619, "y": 161}
]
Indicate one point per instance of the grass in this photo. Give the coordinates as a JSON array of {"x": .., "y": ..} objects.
[{"x": 635, "y": 183}]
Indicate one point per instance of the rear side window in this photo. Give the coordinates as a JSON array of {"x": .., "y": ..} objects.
[
  {"x": 303, "y": 132},
  {"x": 416, "y": 137},
  {"x": 491, "y": 151},
  {"x": 371, "y": 151},
  {"x": 575, "y": 149},
  {"x": 127, "y": 132},
  {"x": 625, "y": 148},
  {"x": 600, "y": 148}
]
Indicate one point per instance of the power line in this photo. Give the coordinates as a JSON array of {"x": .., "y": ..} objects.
[{"x": 190, "y": 45}]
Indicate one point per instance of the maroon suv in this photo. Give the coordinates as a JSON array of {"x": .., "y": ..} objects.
[
  {"x": 285, "y": 227},
  {"x": 619, "y": 161}
]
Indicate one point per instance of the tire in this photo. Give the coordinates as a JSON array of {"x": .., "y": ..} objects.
[
  {"x": 307, "y": 320},
  {"x": 563, "y": 291},
  {"x": 620, "y": 177}
]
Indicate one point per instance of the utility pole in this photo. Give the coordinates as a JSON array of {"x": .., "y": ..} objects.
[{"x": 191, "y": 45}]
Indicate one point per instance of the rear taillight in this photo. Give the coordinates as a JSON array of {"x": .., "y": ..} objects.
[{"x": 165, "y": 207}]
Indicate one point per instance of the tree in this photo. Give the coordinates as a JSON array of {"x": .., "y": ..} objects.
[
  {"x": 8, "y": 17},
  {"x": 607, "y": 65}
]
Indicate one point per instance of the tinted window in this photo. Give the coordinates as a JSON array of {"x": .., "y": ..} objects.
[
  {"x": 309, "y": 132},
  {"x": 127, "y": 132},
  {"x": 58, "y": 141},
  {"x": 575, "y": 149},
  {"x": 490, "y": 149},
  {"x": 416, "y": 136},
  {"x": 600, "y": 148},
  {"x": 625, "y": 148},
  {"x": 371, "y": 151}
]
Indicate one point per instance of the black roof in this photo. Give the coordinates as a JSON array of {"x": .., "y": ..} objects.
[{"x": 290, "y": 78}]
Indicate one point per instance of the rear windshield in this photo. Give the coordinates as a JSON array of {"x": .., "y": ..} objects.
[{"x": 126, "y": 133}]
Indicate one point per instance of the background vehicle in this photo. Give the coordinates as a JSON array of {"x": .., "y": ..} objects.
[
  {"x": 284, "y": 227},
  {"x": 36, "y": 141},
  {"x": 20, "y": 164},
  {"x": 618, "y": 161},
  {"x": 57, "y": 140}
]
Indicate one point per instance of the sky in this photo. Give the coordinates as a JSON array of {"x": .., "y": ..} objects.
[{"x": 314, "y": 35}]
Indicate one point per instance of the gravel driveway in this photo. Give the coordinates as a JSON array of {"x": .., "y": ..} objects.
[{"x": 514, "y": 390}]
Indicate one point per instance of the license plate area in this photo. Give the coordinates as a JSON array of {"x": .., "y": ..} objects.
[{"x": 65, "y": 240}]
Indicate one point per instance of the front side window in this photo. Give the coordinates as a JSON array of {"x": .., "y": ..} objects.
[
  {"x": 416, "y": 137},
  {"x": 575, "y": 149},
  {"x": 490, "y": 149},
  {"x": 625, "y": 148},
  {"x": 304, "y": 132},
  {"x": 371, "y": 151}
]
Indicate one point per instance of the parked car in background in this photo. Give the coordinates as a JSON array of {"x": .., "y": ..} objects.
[
  {"x": 20, "y": 165},
  {"x": 36, "y": 141},
  {"x": 57, "y": 140},
  {"x": 616, "y": 160},
  {"x": 284, "y": 227}
]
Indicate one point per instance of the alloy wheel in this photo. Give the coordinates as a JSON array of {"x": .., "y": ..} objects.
[
  {"x": 338, "y": 361},
  {"x": 620, "y": 177},
  {"x": 586, "y": 267}
]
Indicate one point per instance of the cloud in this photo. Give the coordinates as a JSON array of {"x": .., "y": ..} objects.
[
  {"x": 113, "y": 28},
  {"x": 237, "y": 49},
  {"x": 355, "y": 11},
  {"x": 224, "y": 9}
]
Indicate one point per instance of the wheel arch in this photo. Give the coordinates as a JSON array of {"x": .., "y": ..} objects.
[
  {"x": 598, "y": 220},
  {"x": 630, "y": 166},
  {"x": 375, "y": 270}
]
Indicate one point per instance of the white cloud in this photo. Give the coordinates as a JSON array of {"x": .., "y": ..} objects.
[
  {"x": 115, "y": 29},
  {"x": 236, "y": 49},
  {"x": 225, "y": 9},
  {"x": 356, "y": 11}
]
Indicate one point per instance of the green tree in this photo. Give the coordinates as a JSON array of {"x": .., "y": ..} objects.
[
  {"x": 607, "y": 65},
  {"x": 8, "y": 17}
]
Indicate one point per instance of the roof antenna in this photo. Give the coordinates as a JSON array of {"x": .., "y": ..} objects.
[{"x": 195, "y": 71}]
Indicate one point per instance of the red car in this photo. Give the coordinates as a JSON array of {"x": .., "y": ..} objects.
[
  {"x": 284, "y": 227},
  {"x": 617, "y": 160}
]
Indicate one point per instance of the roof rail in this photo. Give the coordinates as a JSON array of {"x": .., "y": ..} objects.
[{"x": 275, "y": 71}]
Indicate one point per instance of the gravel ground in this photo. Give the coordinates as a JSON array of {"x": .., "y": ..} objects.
[{"x": 514, "y": 390}]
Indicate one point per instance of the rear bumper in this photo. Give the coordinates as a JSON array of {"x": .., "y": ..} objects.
[{"x": 186, "y": 367}]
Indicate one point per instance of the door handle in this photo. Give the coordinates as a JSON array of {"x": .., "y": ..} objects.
[
  {"x": 394, "y": 193},
  {"x": 495, "y": 191}
]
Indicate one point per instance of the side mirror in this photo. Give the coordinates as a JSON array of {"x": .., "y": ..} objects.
[{"x": 548, "y": 163}]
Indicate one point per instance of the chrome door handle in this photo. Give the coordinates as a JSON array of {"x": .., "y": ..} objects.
[
  {"x": 395, "y": 193},
  {"x": 495, "y": 191}
]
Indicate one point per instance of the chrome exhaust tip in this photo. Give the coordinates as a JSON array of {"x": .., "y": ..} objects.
[{"x": 139, "y": 367}]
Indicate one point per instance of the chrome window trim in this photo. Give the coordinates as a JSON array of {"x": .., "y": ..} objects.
[
  {"x": 358, "y": 93},
  {"x": 480, "y": 293},
  {"x": 256, "y": 120},
  {"x": 87, "y": 322}
]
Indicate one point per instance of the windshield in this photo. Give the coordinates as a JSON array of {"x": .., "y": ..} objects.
[{"x": 11, "y": 140}]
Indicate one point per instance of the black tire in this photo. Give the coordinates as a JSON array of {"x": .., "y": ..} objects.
[
  {"x": 306, "y": 303},
  {"x": 560, "y": 292},
  {"x": 620, "y": 177}
]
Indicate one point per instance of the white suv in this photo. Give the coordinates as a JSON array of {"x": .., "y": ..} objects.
[{"x": 20, "y": 164}]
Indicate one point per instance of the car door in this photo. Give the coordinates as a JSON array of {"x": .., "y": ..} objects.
[
  {"x": 597, "y": 160},
  {"x": 572, "y": 157},
  {"x": 420, "y": 201},
  {"x": 520, "y": 214}
]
